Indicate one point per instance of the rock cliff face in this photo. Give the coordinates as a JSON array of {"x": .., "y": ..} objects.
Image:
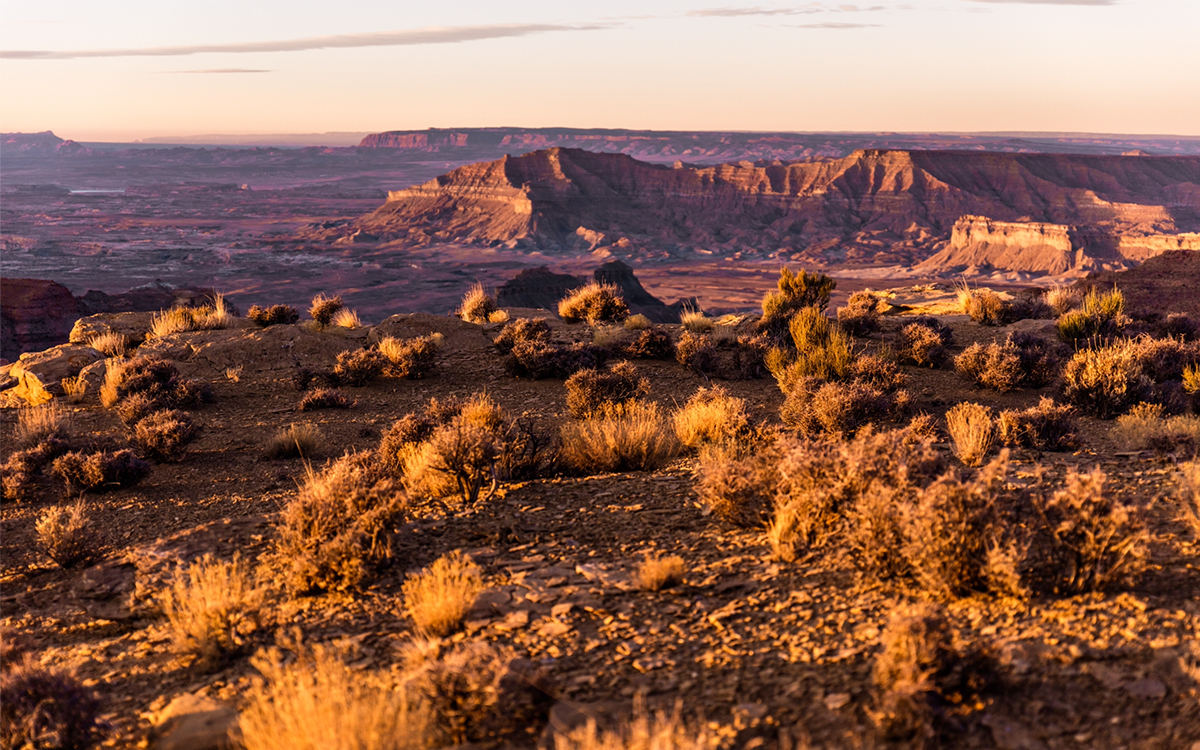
[
  {"x": 870, "y": 207},
  {"x": 34, "y": 315}
]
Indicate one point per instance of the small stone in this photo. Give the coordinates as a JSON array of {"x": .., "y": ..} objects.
[{"x": 834, "y": 701}]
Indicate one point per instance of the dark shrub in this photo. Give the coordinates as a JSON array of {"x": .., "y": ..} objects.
[
  {"x": 523, "y": 330},
  {"x": 304, "y": 378},
  {"x": 360, "y": 367},
  {"x": 590, "y": 390},
  {"x": 325, "y": 398},
  {"x": 22, "y": 467},
  {"x": 273, "y": 315},
  {"x": 1165, "y": 359},
  {"x": 747, "y": 359},
  {"x": 1031, "y": 307},
  {"x": 595, "y": 303},
  {"x": 40, "y": 708},
  {"x": 1047, "y": 426},
  {"x": 163, "y": 435},
  {"x": 135, "y": 408},
  {"x": 697, "y": 353},
  {"x": 860, "y": 316},
  {"x": 324, "y": 308},
  {"x": 537, "y": 361},
  {"x": 159, "y": 383},
  {"x": 477, "y": 305},
  {"x": 1177, "y": 326},
  {"x": 877, "y": 372},
  {"x": 651, "y": 343},
  {"x": 1040, "y": 358},
  {"x": 100, "y": 471}
]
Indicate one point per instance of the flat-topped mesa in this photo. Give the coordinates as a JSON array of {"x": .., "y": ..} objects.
[{"x": 874, "y": 206}]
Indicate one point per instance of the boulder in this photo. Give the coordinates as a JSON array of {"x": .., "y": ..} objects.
[
  {"x": 194, "y": 722},
  {"x": 39, "y": 375},
  {"x": 132, "y": 325},
  {"x": 93, "y": 377}
]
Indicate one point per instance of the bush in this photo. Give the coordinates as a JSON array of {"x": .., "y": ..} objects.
[
  {"x": 439, "y": 597},
  {"x": 973, "y": 431},
  {"x": 465, "y": 455},
  {"x": 100, "y": 471},
  {"x": 822, "y": 351},
  {"x": 37, "y": 424},
  {"x": 657, "y": 572},
  {"x": 813, "y": 407},
  {"x": 794, "y": 292},
  {"x": 212, "y": 610},
  {"x": 651, "y": 343},
  {"x": 324, "y": 308},
  {"x": 1178, "y": 326},
  {"x": 711, "y": 417},
  {"x": 923, "y": 345},
  {"x": 154, "y": 378},
  {"x": 589, "y": 391},
  {"x": 1091, "y": 542},
  {"x": 401, "y": 439},
  {"x": 537, "y": 361},
  {"x": 521, "y": 331},
  {"x": 594, "y": 303},
  {"x": 325, "y": 398},
  {"x": 318, "y": 702},
  {"x": 338, "y": 527},
  {"x": 477, "y": 305},
  {"x": 63, "y": 534},
  {"x": 22, "y": 467},
  {"x": 697, "y": 353},
  {"x": 1047, "y": 426},
  {"x": 41, "y": 708},
  {"x": 984, "y": 306},
  {"x": 1063, "y": 299},
  {"x": 1147, "y": 426},
  {"x": 1030, "y": 307},
  {"x": 411, "y": 358},
  {"x": 273, "y": 316},
  {"x": 1100, "y": 315},
  {"x": 860, "y": 316},
  {"x": 629, "y": 437},
  {"x": 163, "y": 435},
  {"x": 359, "y": 367},
  {"x": 1165, "y": 359},
  {"x": 1106, "y": 381},
  {"x": 637, "y": 322},
  {"x": 297, "y": 441}
]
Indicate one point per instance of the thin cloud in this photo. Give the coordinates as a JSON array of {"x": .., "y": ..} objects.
[
  {"x": 798, "y": 11},
  {"x": 430, "y": 35},
  {"x": 1048, "y": 2},
  {"x": 222, "y": 70},
  {"x": 832, "y": 25}
]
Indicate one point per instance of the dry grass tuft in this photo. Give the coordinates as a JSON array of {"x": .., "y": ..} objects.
[
  {"x": 1063, "y": 299},
  {"x": 984, "y": 306},
  {"x": 63, "y": 534},
  {"x": 75, "y": 388},
  {"x": 973, "y": 431},
  {"x": 439, "y": 597},
  {"x": 695, "y": 321},
  {"x": 325, "y": 398},
  {"x": 594, "y": 303},
  {"x": 711, "y": 416},
  {"x": 297, "y": 441},
  {"x": 213, "y": 609},
  {"x": 324, "y": 308},
  {"x": 346, "y": 318},
  {"x": 273, "y": 315},
  {"x": 1147, "y": 426},
  {"x": 637, "y": 322},
  {"x": 110, "y": 344},
  {"x": 628, "y": 437},
  {"x": 642, "y": 731},
  {"x": 656, "y": 572},
  {"x": 318, "y": 702},
  {"x": 181, "y": 319},
  {"x": 410, "y": 358},
  {"x": 37, "y": 424},
  {"x": 477, "y": 305}
]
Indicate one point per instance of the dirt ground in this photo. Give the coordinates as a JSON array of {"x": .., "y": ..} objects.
[{"x": 774, "y": 653}]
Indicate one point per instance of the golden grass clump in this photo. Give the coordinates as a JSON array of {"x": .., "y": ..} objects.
[
  {"x": 296, "y": 441},
  {"x": 439, "y": 597},
  {"x": 1147, "y": 426},
  {"x": 75, "y": 388},
  {"x": 477, "y": 305},
  {"x": 696, "y": 321},
  {"x": 324, "y": 308},
  {"x": 36, "y": 424},
  {"x": 657, "y": 572},
  {"x": 594, "y": 303},
  {"x": 213, "y": 609},
  {"x": 710, "y": 417},
  {"x": 637, "y": 322},
  {"x": 608, "y": 337},
  {"x": 498, "y": 316},
  {"x": 114, "y": 374},
  {"x": 179, "y": 319},
  {"x": 1063, "y": 299},
  {"x": 410, "y": 358},
  {"x": 346, "y": 318},
  {"x": 110, "y": 344},
  {"x": 984, "y": 306},
  {"x": 973, "y": 431},
  {"x": 1191, "y": 380},
  {"x": 318, "y": 702},
  {"x": 641, "y": 731},
  {"x": 64, "y": 535},
  {"x": 633, "y": 436},
  {"x": 590, "y": 391}
]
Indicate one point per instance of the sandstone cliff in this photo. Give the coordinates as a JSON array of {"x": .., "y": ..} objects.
[{"x": 870, "y": 207}]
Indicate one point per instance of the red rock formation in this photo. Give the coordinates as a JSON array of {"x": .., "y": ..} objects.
[
  {"x": 872, "y": 206},
  {"x": 427, "y": 140},
  {"x": 36, "y": 314}
]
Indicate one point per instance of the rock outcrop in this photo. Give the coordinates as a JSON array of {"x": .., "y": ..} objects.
[
  {"x": 35, "y": 314},
  {"x": 39, "y": 375},
  {"x": 542, "y": 288},
  {"x": 870, "y": 207}
]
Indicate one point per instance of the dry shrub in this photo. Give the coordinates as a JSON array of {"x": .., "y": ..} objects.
[
  {"x": 813, "y": 407},
  {"x": 318, "y": 702},
  {"x": 923, "y": 345},
  {"x": 1189, "y": 496},
  {"x": 1091, "y": 541},
  {"x": 410, "y": 358},
  {"x": 156, "y": 380},
  {"x": 641, "y": 731},
  {"x": 590, "y": 391},
  {"x": 164, "y": 435},
  {"x": 100, "y": 471},
  {"x": 710, "y": 417},
  {"x": 1063, "y": 299},
  {"x": 75, "y": 388},
  {"x": 19, "y": 472},
  {"x": 973, "y": 430},
  {"x": 179, "y": 319},
  {"x": 651, "y": 343},
  {"x": 594, "y": 303},
  {"x": 538, "y": 360},
  {"x": 1106, "y": 381},
  {"x": 110, "y": 344},
  {"x": 609, "y": 337},
  {"x": 696, "y": 352},
  {"x": 1165, "y": 359},
  {"x": 346, "y": 318},
  {"x": 1047, "y": 426},
  {"x": 338, "y": 526},
  {"x": 984, "y": 306},
  {"x": 822, "y": 351},
  {"x": 325, "y": 398},
  {"x": 1099, "y": 315},
  {"x": 44, "y": 708},
  {"x": 695, "y": 321},
  {"x": 297, "y": 441},
  {"x": 273, "y": 315},
  {"x": 37, "y": 424},
  {"x": 63, "y": 534},
  {"x": 498, "y": 316},
  {"x": 794, "y": 292},
  {"x": 523, "y": 330},
  {"x": 477, "y": 305},
  {"x": 360, "y": 367},
  {"x": 234, "y": 374},
  {"x": 1148, "y": 426},
  {"x": 637, "y": 322},
  {"x": 324, "y": 308},
  {"x": 1022, "y": 360},
  {"x": 657, "y": 572},
  {"x": 462, "y": 453},
  {"x": 440, "y": 596},
  {"x": 633, "y": 436},
  {"x": 213, "y": 609},
  {"x": 860, "y": 316}
]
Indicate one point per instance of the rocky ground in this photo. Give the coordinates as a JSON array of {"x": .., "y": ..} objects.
[{"x": 774, "y": 654}]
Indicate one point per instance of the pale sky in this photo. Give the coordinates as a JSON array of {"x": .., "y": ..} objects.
[{"x": 120, "y": 70}]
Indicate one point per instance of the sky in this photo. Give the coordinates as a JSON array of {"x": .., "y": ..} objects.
[{"x": 121, "y": 70}]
